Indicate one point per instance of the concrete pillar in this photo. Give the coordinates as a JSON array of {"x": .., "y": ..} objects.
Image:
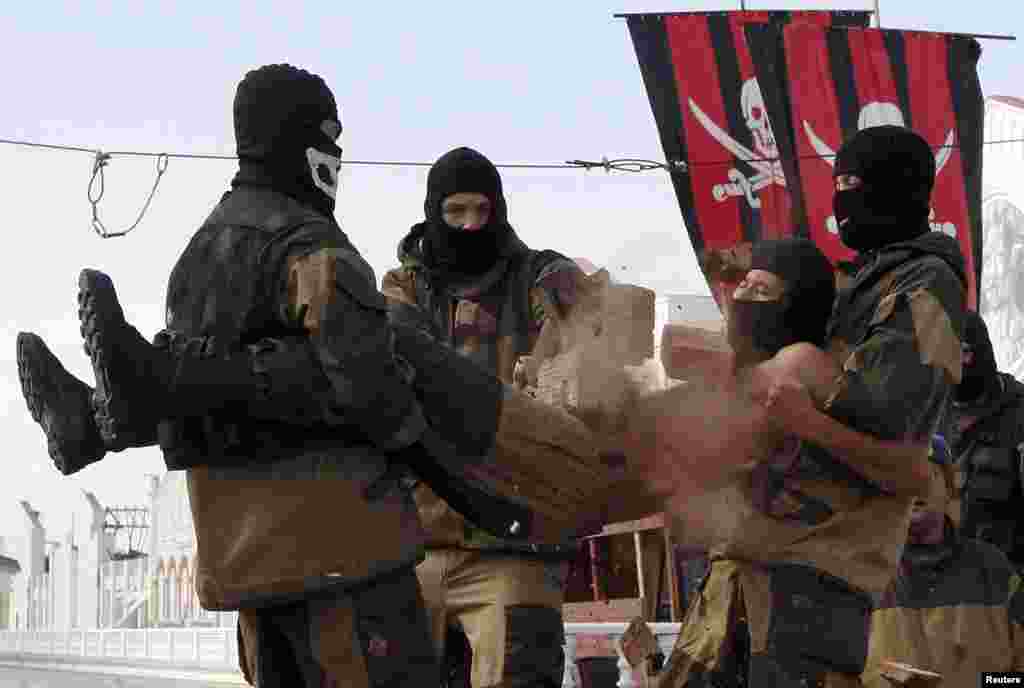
[{"x": 91, "y": 556}]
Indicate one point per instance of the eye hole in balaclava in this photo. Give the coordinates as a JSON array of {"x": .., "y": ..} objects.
[
  {"x": 452, "y": 249},
  {"x": 800, "y": 314},
  {"x": 897, "y": 170},
  {"x": 286, "y": 127}
]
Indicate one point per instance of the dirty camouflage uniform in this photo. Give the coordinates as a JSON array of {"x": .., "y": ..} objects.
[
  {"x": 346, "y": 608},
  {"x": 505, "y": 595},
  {"x": 956, "y": 609},
  {"x": 988, "y": 443},
  {"x": 809, "y": 540}
]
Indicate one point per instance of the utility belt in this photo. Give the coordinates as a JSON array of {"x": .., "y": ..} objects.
[
  {"x": 223, "y": 441},
  {"x": 478, "y": 539}
]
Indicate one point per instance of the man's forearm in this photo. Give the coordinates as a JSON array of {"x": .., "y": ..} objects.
[{"x": 896, "y": 467}]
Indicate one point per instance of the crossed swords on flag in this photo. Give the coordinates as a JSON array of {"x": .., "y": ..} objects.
[
  {"x": 769, "y": 170},
  {"x": 739, "y": 184}
]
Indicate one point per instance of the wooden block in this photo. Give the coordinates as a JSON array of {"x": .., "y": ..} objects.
[{"x": 907, "y": 675}]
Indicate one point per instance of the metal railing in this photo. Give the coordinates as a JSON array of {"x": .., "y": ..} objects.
[{"x": 211, "y": 654}]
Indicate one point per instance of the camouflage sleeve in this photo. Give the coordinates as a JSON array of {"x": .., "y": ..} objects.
[
  {"x": 1015, "y": 609},
  {"x": 330, "y": 291},
  {"x": 397, "y": 286},
  {"x": 895, "y": 383}
]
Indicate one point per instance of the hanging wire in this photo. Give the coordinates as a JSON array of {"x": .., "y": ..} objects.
[
  {"x": 101, "y": 159},
  {"x": 99, "y": 164}
]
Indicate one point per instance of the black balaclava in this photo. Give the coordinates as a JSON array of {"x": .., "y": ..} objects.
[
  {"x": 801, "y": 314},
  {"x": 897, "y": 168},
  {"x": 981, "y": 375},
  {"x": 282, "y": 139},
  {"x": 453, "y": 250}
]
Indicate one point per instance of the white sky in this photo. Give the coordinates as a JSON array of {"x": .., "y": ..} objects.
[{"x": 521, "y": 82}]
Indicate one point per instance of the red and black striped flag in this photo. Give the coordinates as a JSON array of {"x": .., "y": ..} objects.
[
  {"x": 823, "y": 84},
  {"x": 716, "y": 132}
]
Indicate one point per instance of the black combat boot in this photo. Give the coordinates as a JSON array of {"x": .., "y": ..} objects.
[
  {"x": 138, "y": 383},
  {"x": 61, "y": 404},
  {"x": 130, "y": 372}
]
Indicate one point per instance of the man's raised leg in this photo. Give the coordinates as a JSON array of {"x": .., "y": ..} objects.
[{"x": 61, "y": 404}]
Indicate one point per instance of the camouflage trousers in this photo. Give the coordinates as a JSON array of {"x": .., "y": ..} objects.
[
  {"x": 759, "y": 627},
  {"x": 373, "y": 636},
  {"x": 508, "y": 606}
]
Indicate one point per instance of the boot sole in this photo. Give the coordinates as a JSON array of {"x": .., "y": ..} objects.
[
  {"x": 100, "y": 311},
  {"x": 34, "y": 358}
]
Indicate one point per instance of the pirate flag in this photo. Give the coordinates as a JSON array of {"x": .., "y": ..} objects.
[
  {"x": 716, "y": 132},
  {"x": 827, "y": 83}
]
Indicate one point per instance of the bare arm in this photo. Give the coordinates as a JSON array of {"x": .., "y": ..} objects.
[
  {"x": 897, "y": 467},
  {"x": 796, "y": 384}
]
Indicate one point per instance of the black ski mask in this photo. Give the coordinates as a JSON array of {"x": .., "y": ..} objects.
[
  {"x": 800, "y": 315},
  {"x": 897, "y": 168},
  {"x": 450, "y": 249},
  {"x": 286, "y": 124},
  {"x": 982, "y": 374}
]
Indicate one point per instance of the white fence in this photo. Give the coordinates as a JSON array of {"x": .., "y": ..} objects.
[{"x": 211, "y": 654}]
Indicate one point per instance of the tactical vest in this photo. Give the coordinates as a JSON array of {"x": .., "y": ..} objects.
[
  {"x": 514, "y": 336},
  {"x": 989, "y": 461},
  {"x": 222, "y": 289},
  {"x": 260, "y": 492}
]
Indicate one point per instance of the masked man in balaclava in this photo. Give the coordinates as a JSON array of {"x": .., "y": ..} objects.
[
  {"x": 272, "y": 379},
  {"x": 271, "y": 263},
  {"x": 986, "y": 426},
  {"x": 895, "y": 332},
  {"x": 894, "y": 340},
  {"x": 487, "y": 295},
  {"x": 956, "y": 606},
  {"x": 271, "y": 260},
  {"x": 775, "y": 531}
]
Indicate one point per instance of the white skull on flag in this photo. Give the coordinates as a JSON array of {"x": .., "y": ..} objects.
[
  {"x": 756, "y": 117},
  {"x": 764, "y": 157}
]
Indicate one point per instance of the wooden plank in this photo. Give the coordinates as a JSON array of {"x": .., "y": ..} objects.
[
  {"x": 619, "y": 610},
  {"x": 675, "y": 601},
  {"x": 638, "y": 545},
  {"x": 652, "y": 522}
]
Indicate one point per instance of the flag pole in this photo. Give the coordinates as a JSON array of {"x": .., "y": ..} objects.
[
  {"x": 982, "y": 36},
  {"x": 878, "y": 14}
]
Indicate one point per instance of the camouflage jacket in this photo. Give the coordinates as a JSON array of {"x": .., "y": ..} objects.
[
  {"x": 895, "y": 334},
  {"x": 264, "y": 266},
  {"x": 493, "y": 320},
  {"x": 956, "y": 609}
]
